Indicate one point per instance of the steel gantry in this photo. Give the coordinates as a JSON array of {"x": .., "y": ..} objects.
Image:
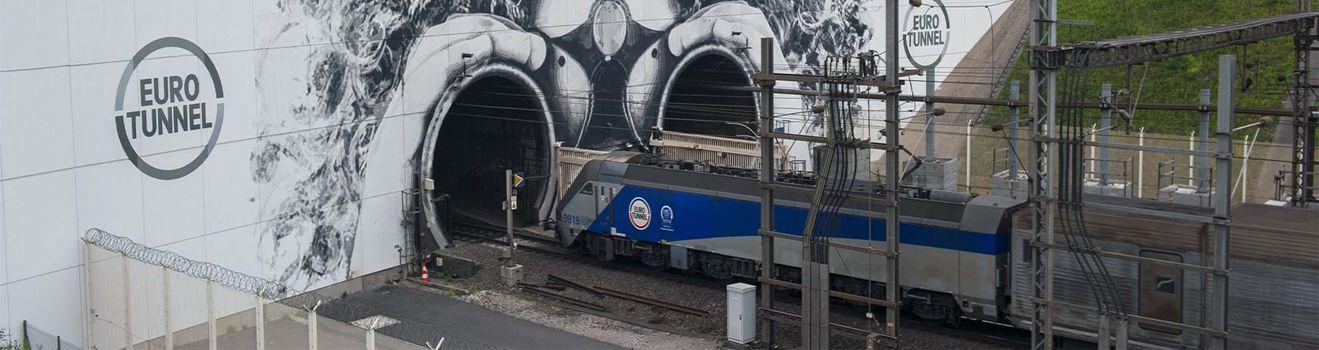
[
  {"x": 1304, "y": 120},
  {"x": 1047, "y": 57},
  {"x": 814, "y": 317},
  {"x": 1043, "y": 96}
]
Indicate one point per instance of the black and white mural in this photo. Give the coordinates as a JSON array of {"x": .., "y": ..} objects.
[
  {"x": 522, "y": 75},
  {"x": 336, "y": 113}
]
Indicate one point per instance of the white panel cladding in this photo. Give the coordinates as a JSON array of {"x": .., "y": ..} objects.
[
  {"x": 241, "y": 120},
  {"x": 101, "y": 31},
  {"x": 288, "y": 138},
  {"x": 173, "y": 208},
  {"x": 233, "y": 250},
  {"x": 5, "y": 324},
  {"x": 189, "y": 294},
  {"x": 387, "y": 168},
  {"x": 37, "y": 125},
  {"x": 4, "y": 260},
  {"x": 95, "y": 136},
  {"x": 225, "y": 25},
  {"x": 378, "y": 231},
  {"x": 164, "y": 18},
  {"x": 230, "y": 195},
  {"x": 40, "y": 225},
  {"x": 109, "y": 197},
  {"x": 35, "y": 41},
  {"x": 52, "y": 302},
  {"x": 2, "y": 67}
]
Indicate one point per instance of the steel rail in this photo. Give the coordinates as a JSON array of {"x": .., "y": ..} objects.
[{"x": 652, "y": 301}]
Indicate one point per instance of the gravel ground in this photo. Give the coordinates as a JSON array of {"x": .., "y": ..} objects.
[{"x": 635, "y": 325}]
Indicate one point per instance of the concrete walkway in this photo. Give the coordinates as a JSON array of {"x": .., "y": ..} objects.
[{"x": 427, "y": 316}]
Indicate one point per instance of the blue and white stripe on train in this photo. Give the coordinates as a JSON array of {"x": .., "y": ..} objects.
[{"x": 955, "y": 248}]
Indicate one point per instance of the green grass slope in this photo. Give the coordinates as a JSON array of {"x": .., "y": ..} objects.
[{"x": 1263, "y": 68}]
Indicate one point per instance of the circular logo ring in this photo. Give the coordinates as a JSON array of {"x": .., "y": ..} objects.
[
  {"x": 639, "y": 213},
  {"x": 907, "y": 46},
  {"x": 168, "y": 174}
]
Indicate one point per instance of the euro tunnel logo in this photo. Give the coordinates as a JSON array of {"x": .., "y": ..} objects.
[
  {"x": 163, "y": 107},
  {"x": 638, "y": 213},
  {"x": 927, "y": 30}
]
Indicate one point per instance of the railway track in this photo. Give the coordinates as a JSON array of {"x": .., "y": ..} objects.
[
  {"x": 523, "y": 240},
  {"x": 976, "y": 331}
]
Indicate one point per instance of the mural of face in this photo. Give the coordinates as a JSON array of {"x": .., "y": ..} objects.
[{"x": 599, "y": 74}]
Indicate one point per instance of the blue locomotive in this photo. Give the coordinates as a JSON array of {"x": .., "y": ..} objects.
[{"x": 955, "y": 247}]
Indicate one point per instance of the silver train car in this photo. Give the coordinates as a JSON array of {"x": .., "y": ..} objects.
[
  {"x": 955, "y": 247},
  {"x": 1273, "y": 288},
  {"x": 963, "y": 256}
]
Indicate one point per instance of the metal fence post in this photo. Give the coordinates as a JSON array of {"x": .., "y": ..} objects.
[
  {"x": 213, "y": 342},
  {"x": 1122, "y": 323},
  {"x": 1102, "y": 335},
  {"x": 929, "y": 115},
  {"x": 311, "y": 326},
  {"x": 968, "y": 154},
  {"x": 128, "y": 305},
  {"x": 1190, "y": 162},
  {"x": 1094, "y": 134},
  {"x": 87, "y": 311},
  {"x": 260, "y": 311},
  {"x": 1105, "y": 130},
  {"x": 1246, "y": 147},
  {"x": 1140, "y": 165},
  {"x": 1014, "y": 161},
  {"x": 169, "y": 317},
  {"x": 1202, "y": 163},
  {"x": 1222, "y": 208}
]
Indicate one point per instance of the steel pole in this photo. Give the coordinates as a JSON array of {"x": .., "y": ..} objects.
[
  {"x": 766, "y": 325},
  {"x": 128, "y": 304},
  {"x": 168, "y": 305},
  {"x": 89, "y": 306},
  {"x": 1043, "y": 100},
  {"x": 508, "y": 215},
  {"x": 260, "y": 311},
  {"x": 929, "y": 115},
  {"x": 1202, "y": 163},
  {"x": 1103, "y": 336},
  {"x": 1221, "y": 197},
  {"x": 1014, "y": 119},
  {"x": 212, "y": 340},
  {"x": 1105, "y": 124},
  {"x": 891, "y": 166}
]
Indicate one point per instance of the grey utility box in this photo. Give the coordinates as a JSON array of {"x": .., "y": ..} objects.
[{"x": 741, "y": 313}]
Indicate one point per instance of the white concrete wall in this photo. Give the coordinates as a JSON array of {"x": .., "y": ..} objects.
[
  {"x": 63, "y": 171},
  {"x": 304, "y": 184}
]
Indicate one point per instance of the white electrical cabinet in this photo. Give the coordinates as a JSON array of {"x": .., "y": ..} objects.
[{"x": 741, "y": 313}]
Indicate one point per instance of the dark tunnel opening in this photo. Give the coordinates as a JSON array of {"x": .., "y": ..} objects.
[
  {"x": 697, "y": 105},
  {"x": 495, "y": 124}
]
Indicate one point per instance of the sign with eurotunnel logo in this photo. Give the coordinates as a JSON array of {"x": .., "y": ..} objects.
[
  {"x": 926, "y": 32},
  {"x": 160, "y": 102}
]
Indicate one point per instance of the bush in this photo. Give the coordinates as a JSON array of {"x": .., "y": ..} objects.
[{"x": 9, "y": 344}]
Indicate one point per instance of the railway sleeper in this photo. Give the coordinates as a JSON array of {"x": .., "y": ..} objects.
[{"x": 929, "y": 306}]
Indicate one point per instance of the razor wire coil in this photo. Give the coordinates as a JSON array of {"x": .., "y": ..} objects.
[{"x": 173, "y": 261}]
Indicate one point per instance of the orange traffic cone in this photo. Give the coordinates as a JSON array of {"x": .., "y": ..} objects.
[{"x": 425, "y": 275}]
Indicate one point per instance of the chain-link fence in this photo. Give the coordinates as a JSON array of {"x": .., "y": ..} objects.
[
  {"x": 146, "y": 298},
  {"x": 34, "y": 338}
]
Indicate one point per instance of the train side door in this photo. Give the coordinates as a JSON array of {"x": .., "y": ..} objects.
[
  {"x": 1160, "y": 291},
  {"x": 604, "y": 205}
]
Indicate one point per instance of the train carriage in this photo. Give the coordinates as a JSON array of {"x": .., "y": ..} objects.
[
  {"x": 962, "y": 256},
  {"x": 706, "y": 222}
]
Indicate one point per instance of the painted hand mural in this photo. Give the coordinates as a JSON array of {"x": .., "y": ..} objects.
[{"x": 598, "y": 74}]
